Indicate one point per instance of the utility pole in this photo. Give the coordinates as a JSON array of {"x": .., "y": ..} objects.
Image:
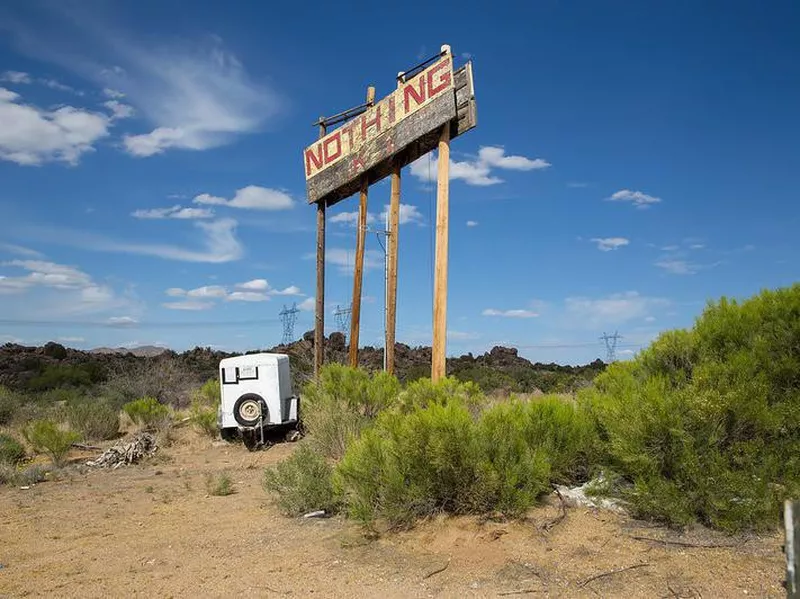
[
  {"x": 288, "y": 318},
  {"x": 611, "y": 346}
]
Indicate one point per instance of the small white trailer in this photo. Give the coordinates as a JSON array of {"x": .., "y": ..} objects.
[{"x": 256, "y": 395}]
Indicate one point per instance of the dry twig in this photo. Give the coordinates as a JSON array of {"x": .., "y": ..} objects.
[
  {"x": 547, "y": 526},
  {"x": 519, "y": 592},
  {"x": 438, "y": 570},
  {"x": 611, "y": 573},
  {"x": 682, "y": 543}
]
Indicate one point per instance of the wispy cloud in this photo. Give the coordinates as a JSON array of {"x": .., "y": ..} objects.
[
  {"x": 518, "y": 313},
  {"x": 679, "y": 267},
  {"x": 637, "y": 198},
  {"x": 191, "y": 305},
  {"x": 408, "y": 214},
  {"x": 31, "y": 136},
  {"x": 176, "y": 212},
  {"x": 478, "y": 171},
  {"x": 251, "y": 197},
  {"x": 119, "y": 110},
  {"x": 308, "y": 305},
  {"x": 344, "y": 259},
  {"x": 350, "y": 218},
  {"x": 21, "y": 78},
  {"x": 607, "y": 244},
  {"x": 472, "y": 223},
  {"x": 610, "y": 310},
  {"x": 194, "y": 94},
  {"x": 20, "y": 250},
  {"x": 218, "y": 243}
]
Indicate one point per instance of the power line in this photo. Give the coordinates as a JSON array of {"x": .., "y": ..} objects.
[
  {"x": 611, "y": 345},
  {"x": 288, "y": 318},
  {"x": 134, "y": 324}
]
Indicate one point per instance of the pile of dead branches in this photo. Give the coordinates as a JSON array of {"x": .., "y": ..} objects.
[{"x": 130, "y": 452}]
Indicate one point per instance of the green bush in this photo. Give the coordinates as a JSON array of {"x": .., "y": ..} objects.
[
  {"x": 411, "y": 465},
  {"x": 705, "y": 424},
  {"x": 345, "y": 402},
  {"x": 46, "y": 437},
  {"x": 204, "y": 406},
  {"x": 302, "y": 483},
  {"x": 424, "y": 392},
  {"x": 220, "y": 485},
  {"x": 11, "y": 451},
  {"x": 94, "y": 420},
  {"x": 147, "y": 413},
  {"x": 9, "y": 406}
]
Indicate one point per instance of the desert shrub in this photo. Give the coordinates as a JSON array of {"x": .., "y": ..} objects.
[
  {"x": 411, "y": 465},
  {"x": 163, "y": 377},
  {"x": 302, "y": 483},
  {"x": 220, "y": 485},
  {"x": 204, "y": 406},
  {"x": 9, "y": 406},
  {"x": 705, "y": 424},
  {"x": 11, "y": 451},
  {"x": 66, "y": 375},
  {"x": 46, "y": 437},
  {"x": 95, "y": 420},
  {"x": 424, "y": 392},
  {"x": 345, "y": 402},
  {"x": 147, "y": 413}
]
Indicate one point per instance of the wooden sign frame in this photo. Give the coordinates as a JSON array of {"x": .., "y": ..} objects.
[{"x": 433, "y": 104}]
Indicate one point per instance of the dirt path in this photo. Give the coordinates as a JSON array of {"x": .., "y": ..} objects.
[{"x": 154, "y": 531}]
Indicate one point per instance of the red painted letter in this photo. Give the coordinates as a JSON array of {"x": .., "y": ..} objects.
[
  {"x": 311, "y": 157},
  {"x": 327, "y": 144},
  {"x": 409, "y": 90},
  {"x": 442, "y": 81}
]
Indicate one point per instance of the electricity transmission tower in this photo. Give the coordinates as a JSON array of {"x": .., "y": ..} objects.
[
  {"x": 288, "y": 318},
  {"x": 611, "y": 346},
  {"x": 342, "y": 319}
]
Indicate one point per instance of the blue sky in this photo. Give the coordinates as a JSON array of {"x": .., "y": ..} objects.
[{"x": 631, "y": 161}]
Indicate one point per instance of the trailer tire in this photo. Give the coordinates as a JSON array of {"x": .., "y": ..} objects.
[{"x": 249, "y": 408}]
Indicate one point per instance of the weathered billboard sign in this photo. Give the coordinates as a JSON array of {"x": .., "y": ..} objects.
[{"x": 401, "y": 127}]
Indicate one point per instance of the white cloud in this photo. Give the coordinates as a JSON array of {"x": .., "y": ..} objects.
[
  {"x": 20, "y": 250},
  {"x": 606, "y": 244},
  {"x": 697, "y": 246},
  {"x": 510, "y": 313},
  {"x": 462, "y": 335},
  {"x": 112, "y": 93},
  {"x": 308, "y": 305},
  {"x": 248, "y": 296},
  {"x": 408, "y": 214},
  {"x": 57, "y": 289},
  {"x": 118, "y": 109},
  {"x": 33, "y": 136},
  {"x": 251, "y": 197},
  {"x": 188, "y": 305},
  {"x": 207, "y": 292},
  {"x": 614, "y": 309},
  {"x": 219, "y": 243},
  {"x": 291, "y": 290},
  {"x": 478, "y": 171},
  {"x": 638, "y": 198},
  {"x": 196, "y": 99},
  {"x": 16, "y": 77},
  {"x": 175, "y": 292},
  {"x": 472, "y": 223},
  {"x": 254, "y": 285},
  {"x": 678, "y": 267},
  {"x": 177, "y": 211},
  {"x": 351, "y": 218},
  {"x": 122, "y": 321},
  {"x": 72, "y": 339}
]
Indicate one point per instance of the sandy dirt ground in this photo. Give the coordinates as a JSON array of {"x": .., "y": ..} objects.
[{"x": 152, "y": 530}]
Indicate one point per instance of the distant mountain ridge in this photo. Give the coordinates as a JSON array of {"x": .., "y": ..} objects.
[{"x": 142, "y": 351}]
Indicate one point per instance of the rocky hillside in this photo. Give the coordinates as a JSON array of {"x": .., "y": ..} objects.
[{"x": 166, "y": 373}]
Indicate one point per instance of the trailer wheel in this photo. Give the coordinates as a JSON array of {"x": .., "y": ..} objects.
[{"x": 248, "y": 409}]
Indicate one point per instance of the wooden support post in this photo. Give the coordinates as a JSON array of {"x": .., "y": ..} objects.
[
  {"x": 791, "y": 523},
  {"x": 439, "y": 349},
  {"x": 391, "y": 249},
  {"x": 358, "y": 270},
  {"x": 319, "y": 320}
]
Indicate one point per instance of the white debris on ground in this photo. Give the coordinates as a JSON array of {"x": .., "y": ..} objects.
[
  {"x": 577, "y": 497},
  {"x": 130, "y": 452}
]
